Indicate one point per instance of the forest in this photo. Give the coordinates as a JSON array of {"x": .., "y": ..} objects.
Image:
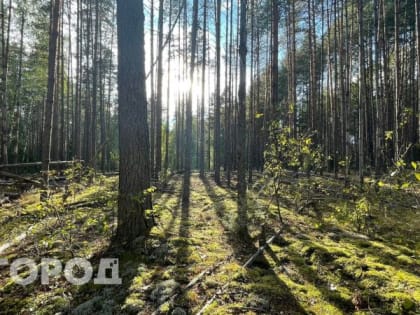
[{"x": 210, "y": 157}]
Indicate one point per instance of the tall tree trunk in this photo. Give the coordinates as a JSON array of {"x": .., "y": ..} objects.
[
  {"x": 251, "y": 127},
  {"x": 18, "y": 91},
  {"x": 77, "y": 146},
  {"x": 95, "y": 84},
  {"x": 5, "y": 38},
  {"x": 152, "y": 88},
  {"x": 312, "y": 65},
  {"x": 203, "y": 86},
  {"x": 158, "y": 116},
  {"x": 168, "y": 92},
  {"x": 188, "y": 111},
  {"x": 50, "y": 101},
  {"x": 397, "y": 82},
  {"x": 102, "y": 108},
  {"x": 88, "y": 90},
  {"x": 242, "y": 203},
  {"x": 362, "y": 92},
  {"x": 229, "y": 124},
  {"x": 274, "y": 58},
  {"x": 217, "y": 104},
  {"x": 133, "y": 128},
  {"x": 379, "y": 90},
  {"x": 418, "y": 65}
]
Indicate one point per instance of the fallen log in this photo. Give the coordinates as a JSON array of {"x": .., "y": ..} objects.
[
  {"x": 32, "y": 164},
  {"x": 22, "y": 179},
  {"x": 84, "y": 204}
]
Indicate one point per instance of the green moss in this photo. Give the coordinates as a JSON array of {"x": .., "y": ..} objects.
[
  {"x": 267, "y": 285},
  {"x": 210, "y": 283},
  {"x": 133, "y": 304},
  {"x": 165, "y": 308},
  {"x": 182, "y": 274},
  {"x": 401, "y": 302},
  {"x": 321, "y": 269},
  {"x": 212, "y": 309},
  {"x": 190, "y": 299}
]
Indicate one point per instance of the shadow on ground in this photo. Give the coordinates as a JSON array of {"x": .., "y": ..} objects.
[{"x": 274, "y": 291}]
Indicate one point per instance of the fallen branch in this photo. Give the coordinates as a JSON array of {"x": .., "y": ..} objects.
[
  {"x": 246, "y": 265},
  {"x": 261, "y": 249},
  {"x": 84, "y": 204},
  {"x": 208, "y": 303},
  {"x": 22, "y": 179},
  {"x": 192, "y": 283},
  {"x": 52, "y": 163}
]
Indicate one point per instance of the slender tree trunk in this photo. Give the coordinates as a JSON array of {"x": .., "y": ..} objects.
[
  {"x": 274, "y": 58},
  {"x": 188, "y": 112},
  {"x": 95, "y": 84},
  {"x": 152, "y": 88},
  {"x": 102, "y": 109},
  {"x": 88, "y": 89},
  {"x": 168, "y": 100},
  {"x": 50, "y": 101},
  {"x": 312, "y": 66},
  {"x": 158, "y": 116},
  {"x": 18, "y": 91},
  {"x": 379, "y": 95},
  {"x": 397, "y": 79},
  {"x": 77, "y": 146},
  {"x": 417, "y": 4},
  {"x": 5, "y": 63},
  {"x": 251, "y": 133},
  {"x": 217, "y": 104},
  {"x": 229, "y": 125},
  {"x": 203, "y": 87},
  {"x": 362, "y": 92},
  {"x": 242, "y": 203}
]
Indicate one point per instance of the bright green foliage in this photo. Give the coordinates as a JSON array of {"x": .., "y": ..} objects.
[{"x": 285, "y": 153}]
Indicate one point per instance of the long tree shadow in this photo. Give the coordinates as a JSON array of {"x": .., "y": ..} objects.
[
  {"x": 317, "y": 255},
  {"x": 182, "y": 244},
  {"x": 385, "y": 256},
  {"x": 386, "y": 253},
  {"x": 273, "y": 289}
]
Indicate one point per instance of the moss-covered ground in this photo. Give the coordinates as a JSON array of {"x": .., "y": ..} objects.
[{"x": 326, "y": 260}]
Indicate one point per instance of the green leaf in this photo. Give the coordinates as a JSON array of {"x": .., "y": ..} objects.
[
  {"x": 381, "y": 184},
  {"x": 259, "y": 115},
  {"x": 389, "y": 135},
  {"x": 417, "y": 176},
  {"x": 414, "y": 165},
  {"x": 400, "y": 163},
  {"x": 405, "y": 185}
]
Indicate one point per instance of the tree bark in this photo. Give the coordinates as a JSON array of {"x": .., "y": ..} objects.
[
  {"x": 18, "y": 91},
  {"x": 50, "y": 101},
  {"x": 158, "y": 116},
  {"x": 5, "y": 38},
  {"x": 362, "y": 92},
  {"x": 417, "y": 4},
  {"x": 217, "y": 104},
  {"x": 188, "y": 111},
  {"x": 241, "y": 153},
  {"x": 203, "y": 85},
  {"x": 274, "y": 57},
  {"x": 133, "y": 128}
]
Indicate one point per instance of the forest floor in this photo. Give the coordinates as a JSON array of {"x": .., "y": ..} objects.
[{"x": 325, "y": 261}]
